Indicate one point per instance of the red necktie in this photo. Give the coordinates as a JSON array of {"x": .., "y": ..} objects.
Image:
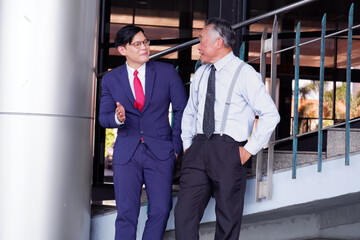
[{"x": 139, "y": 92}]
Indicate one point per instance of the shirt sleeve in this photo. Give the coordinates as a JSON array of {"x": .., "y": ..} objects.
[
  {"x": 254, "y": 92},
  {"x": 117, "y": 121},
  {"x": 189, "y": 116}
]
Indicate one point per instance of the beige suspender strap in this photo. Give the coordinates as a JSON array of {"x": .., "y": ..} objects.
[{"x": 228, "y": 99}]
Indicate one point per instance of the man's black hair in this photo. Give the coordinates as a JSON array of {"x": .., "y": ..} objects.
[{"x": 126, "y": 34}]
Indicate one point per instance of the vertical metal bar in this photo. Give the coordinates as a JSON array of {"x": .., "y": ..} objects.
[
  {"x": 270, "y": 166},
  {"x": 348, "y": 81},
  {"x": 273, "y": 72},
  {"x": 334, "y": 76},
  {"x": 321, "y": 92},
  {"x": 259, "y": 190},
  {"x": 263, "y": 55},
  {"x": 242, "y": 51},
  {"x": 296, "y": 100},
  {"x": 259, "y": 193},
  {"x": 172, "y": 113}
]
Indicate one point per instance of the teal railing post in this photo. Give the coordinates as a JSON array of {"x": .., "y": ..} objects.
[
  {"x": 197, "y": 64},
  {"x": 348, "y": 80},
  {"x": 296, "y": 101},
  {"x": 321, "y": 92},
  {"x": 172, "y": 113},
  {"x": 242, "y": 51}
]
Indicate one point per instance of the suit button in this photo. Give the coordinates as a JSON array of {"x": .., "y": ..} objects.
[{"x": 141, "y": 132}]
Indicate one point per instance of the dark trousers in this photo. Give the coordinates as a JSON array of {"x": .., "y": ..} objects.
[
  {"x": 211, "y": 167},
  {"x": 143, "y": 167}
]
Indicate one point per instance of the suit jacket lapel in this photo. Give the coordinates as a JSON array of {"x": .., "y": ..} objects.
[
  {"x": 150, "y": 80},
  {"x": 124, "y": 81}
]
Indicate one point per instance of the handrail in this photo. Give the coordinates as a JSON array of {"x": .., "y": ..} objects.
[
  {"x": 315, "y": 131},
  {"x": 235, "y": 26},
  {"x": 318, "y": 39}
]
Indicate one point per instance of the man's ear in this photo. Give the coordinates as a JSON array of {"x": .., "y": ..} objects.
[
  {"x": 122, "y": 50},
  {"x": 219, "y": 42}
]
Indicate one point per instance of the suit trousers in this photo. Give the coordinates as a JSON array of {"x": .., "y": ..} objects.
[
  {"x": 211, "y": 167},
  {"x": 143, "y": 167}
]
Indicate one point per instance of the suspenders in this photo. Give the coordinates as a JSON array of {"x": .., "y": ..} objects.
[{"x": 228, "y": 99}]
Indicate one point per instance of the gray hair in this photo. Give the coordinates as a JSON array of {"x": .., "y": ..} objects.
[{"x": 221, "y": 28}]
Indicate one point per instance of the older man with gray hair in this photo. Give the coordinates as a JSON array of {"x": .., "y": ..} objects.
[{"x": 225, "y": 95}]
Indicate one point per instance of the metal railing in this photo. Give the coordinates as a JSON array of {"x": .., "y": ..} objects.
[
  {"x": 321, "y": 89},
  {"x": 264, "y": 186}
]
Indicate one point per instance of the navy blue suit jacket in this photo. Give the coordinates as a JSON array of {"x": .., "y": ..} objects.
[{"x": 162, "y": 86}]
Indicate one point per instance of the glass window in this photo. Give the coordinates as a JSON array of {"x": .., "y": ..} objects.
[
  {"x": 121, "y": 15},
  {"x": 342, "y": 53},
  {"x": 310, "y": 53},
  {"x": 340, "y": 106},
  {"x": 157, "y": 17},
  {"x": 308, "y": 104}
]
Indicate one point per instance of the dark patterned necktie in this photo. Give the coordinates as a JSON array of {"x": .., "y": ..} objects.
[{"x": 209, "y": 119}]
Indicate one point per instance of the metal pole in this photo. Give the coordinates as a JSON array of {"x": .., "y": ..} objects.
[
  {"x": 296, "y": 99},
  {"x": 260, "y": 185},
  {"x": 273, "y": 72},
  {"x": 47, "y": 118},
  {"x": 348, "y": 81},
  {"x": 242, "y": 52},
  {"x": 321, "y": 92}
]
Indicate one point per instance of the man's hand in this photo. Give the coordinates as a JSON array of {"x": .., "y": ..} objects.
[
  {"x": 244, "y": 155},
  {"x": 120, "y": 112}
]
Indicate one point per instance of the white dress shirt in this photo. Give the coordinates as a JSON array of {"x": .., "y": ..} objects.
[
  {"x": 249, "y": 97},
  {"x": 141, "y": 76}
]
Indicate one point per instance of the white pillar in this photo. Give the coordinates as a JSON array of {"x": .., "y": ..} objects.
[{"x": 47, "y": 89}]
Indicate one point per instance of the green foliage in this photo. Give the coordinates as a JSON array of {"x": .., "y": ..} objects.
[
  {"x": 109, "y": 138},
  {"x": 308, "y": 88}
]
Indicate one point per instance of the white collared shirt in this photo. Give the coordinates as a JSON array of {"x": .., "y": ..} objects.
[
  {"x": 249, "y": 97},
  {"x": 141, "y": 76}
]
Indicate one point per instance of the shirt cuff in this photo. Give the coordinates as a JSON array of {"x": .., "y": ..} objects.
[
  {"x": 186, "y": 144},
  {"x": 252, "y": 147},
  {"x": 117, "y": 121}
]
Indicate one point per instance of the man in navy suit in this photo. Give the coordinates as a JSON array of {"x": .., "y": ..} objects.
[{"x": 135, "y": 98}]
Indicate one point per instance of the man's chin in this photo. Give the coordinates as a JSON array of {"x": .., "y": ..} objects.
[{"x": 145, "y": 59}]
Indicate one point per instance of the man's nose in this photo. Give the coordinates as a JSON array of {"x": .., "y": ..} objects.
[{"x": 143, "y": 46}]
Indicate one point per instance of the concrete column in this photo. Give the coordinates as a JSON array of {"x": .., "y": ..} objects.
[{"x": 47, "y": 88}]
